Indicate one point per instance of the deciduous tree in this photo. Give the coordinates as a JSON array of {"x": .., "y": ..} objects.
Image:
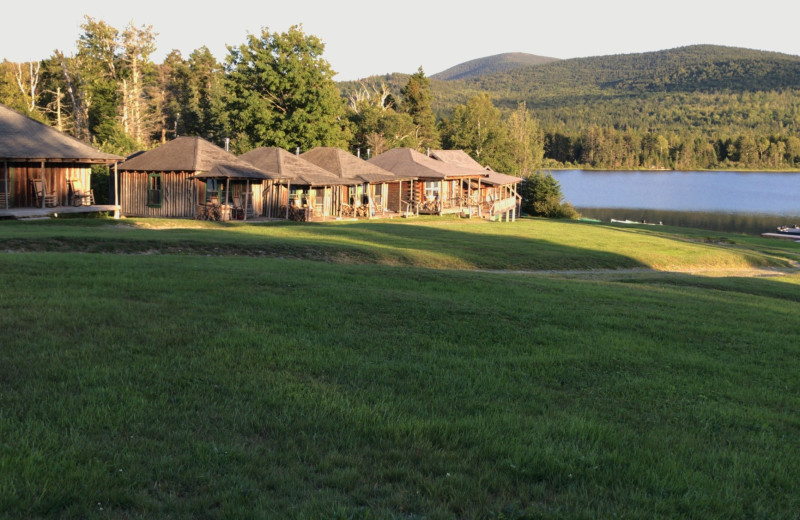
[
  {"x": 477, "y": 128},
  {"x": 281, "y": 93},
  {"x": 526, "y": 141}
]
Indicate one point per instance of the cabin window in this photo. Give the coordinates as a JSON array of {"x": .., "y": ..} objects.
[
  {"x": 154, "y": 190},
  {"x": 212, "y": 190},
  {"x": 298, "y": 197},
  {"x": 355, "y": 194},
  {"x": 433, "y": 189}
]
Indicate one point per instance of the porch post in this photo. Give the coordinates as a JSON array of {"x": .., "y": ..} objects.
[
  {"x": 5, "y": 184},
  {"x": 44, "y": 186},
  {"x": 288, "y": 189},
  {"x": 246, "y": 196},
  {"x": 480, "y": 199},
  {"x": 469, "y": 197},
  {"x": 116, "y": 191}
]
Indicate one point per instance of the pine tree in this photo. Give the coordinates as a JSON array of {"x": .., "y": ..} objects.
[{"x": 417, "y": 100}]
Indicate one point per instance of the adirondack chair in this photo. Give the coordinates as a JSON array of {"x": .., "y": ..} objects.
[
  {"x": 38, "y": 192},
  {"x": 79, "y": 196}
]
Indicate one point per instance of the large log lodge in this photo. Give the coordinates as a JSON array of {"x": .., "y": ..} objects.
[{"x": 46, "y": 172}]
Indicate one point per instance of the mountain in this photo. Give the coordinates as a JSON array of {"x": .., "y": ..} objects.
[
  {"x": 491, "y": 65},
  {"x": 706, "y": 89},
  {"x": 684, "y": 69}
]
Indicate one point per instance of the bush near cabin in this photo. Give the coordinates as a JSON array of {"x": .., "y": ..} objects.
[{"x": 542, "y": 197}]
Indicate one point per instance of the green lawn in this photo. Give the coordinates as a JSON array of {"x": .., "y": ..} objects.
[{"x": 370, "y": 371}]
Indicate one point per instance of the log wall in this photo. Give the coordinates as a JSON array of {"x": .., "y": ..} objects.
[
  {"x": 20, "y": 175},
  {"x": 179, "y": 194}
]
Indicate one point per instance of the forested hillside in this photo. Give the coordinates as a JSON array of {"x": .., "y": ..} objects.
[
  {"x": 692, "y": 107},
  {"x": 710, "y": 106},
  {"x": 491, "y": 65}
]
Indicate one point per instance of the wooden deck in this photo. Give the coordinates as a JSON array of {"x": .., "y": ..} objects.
[{"x": 20, "y": 213}]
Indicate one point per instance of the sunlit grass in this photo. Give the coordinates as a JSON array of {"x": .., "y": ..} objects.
[
  {"x": 529, "y": 244},
  {"x": 208, "y": 380}
]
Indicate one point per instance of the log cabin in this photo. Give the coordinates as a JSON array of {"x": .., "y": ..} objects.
[
  {"x": 180, "y": 178},
  {"x": 39, "y": 166},
  {"x": 376, "y": 192},
  {"x": 495, "y": 194},
  {"x": 301, "y": 190},
  {"x": 440, "y": 187}
]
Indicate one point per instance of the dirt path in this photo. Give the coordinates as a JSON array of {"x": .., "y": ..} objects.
[{"x": 759, "y": 272}]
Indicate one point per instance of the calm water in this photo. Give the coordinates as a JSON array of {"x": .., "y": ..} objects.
[{"x": 730, "y": 201}]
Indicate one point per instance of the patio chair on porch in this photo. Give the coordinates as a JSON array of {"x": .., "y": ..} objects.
[
  {"x": 238, "y": 208},
  {"x": 79, "y": 196},
  {"x": 38, "y": 193}
]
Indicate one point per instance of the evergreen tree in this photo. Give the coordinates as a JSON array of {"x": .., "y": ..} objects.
[
  {"x": 192, "y": 96},
  {"x": 280, "y": 92},
  {"x": 417, "y": 101},
  {"x": 542, "y": 197}
]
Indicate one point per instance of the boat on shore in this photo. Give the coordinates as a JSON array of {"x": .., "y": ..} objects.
[
  {"x": 785, "y": 233},
  {"x": 615, "y": 221},
  {"x": 794, "y": 230}
]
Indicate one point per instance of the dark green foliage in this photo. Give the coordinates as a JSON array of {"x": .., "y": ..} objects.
[
  {"x": 542, "y": 197},
  {"x": 280, "y": 92},
  {"x": 193, "y": 93},
  {"x": 417, "y": 100},
  {"x": 609, "y": 111},
  {"x": 477, "y": 128}
]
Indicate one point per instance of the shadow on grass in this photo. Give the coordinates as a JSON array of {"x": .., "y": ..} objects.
[{"x": 433, "y": 246}]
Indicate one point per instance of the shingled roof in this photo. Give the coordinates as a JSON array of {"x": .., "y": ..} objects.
[
  {"x": 191, "y": 154},
  {"x": 282, "y": 165},
  {"x": 344, "y": 164},
  {"x": 464, "y": 160},
  {"x": 25, "y": 139},
  {"x": 407, "y": 162}
]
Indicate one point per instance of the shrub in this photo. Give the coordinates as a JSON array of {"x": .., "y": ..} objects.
[{"x": 542, "y": 197}]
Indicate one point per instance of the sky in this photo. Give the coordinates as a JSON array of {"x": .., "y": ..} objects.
[{"x": 365, "y": 38}]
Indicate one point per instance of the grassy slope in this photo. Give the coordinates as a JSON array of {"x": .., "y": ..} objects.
[{"x": 186, "y": 385}]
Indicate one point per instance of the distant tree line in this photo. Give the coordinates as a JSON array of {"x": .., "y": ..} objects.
[{"x": 608, "y": 148}]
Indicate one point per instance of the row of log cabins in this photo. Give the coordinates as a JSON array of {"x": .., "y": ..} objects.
[{"x": 189, "y": 176}]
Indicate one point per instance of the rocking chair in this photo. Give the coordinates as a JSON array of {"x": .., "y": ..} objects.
[
  {"x": 80, "y": 196},
  {"x": 38, "y": 192}
]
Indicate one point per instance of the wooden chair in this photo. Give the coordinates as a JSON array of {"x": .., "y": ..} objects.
[
  {"x": 79, "y": 196},
  {"x": 238, "y": 208},
  {"x": 248, "y": 204},
  {"x": 38, "y": 192}
]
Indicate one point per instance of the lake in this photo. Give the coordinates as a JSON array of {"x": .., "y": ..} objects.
[{"x": 750, "y": 202}]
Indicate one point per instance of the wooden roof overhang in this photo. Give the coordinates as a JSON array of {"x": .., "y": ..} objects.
[
  {"x": 409, "y": 163},
  {"x": 62, "y": 160},
  {"x": 23, "y": 139},
  {"x": 234, "y": 171}
]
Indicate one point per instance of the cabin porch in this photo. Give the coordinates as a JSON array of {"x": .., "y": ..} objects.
[{"x": 55, "y": 211}]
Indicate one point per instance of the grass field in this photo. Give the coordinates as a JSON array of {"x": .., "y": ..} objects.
[{"x": 396, "y": 370}]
